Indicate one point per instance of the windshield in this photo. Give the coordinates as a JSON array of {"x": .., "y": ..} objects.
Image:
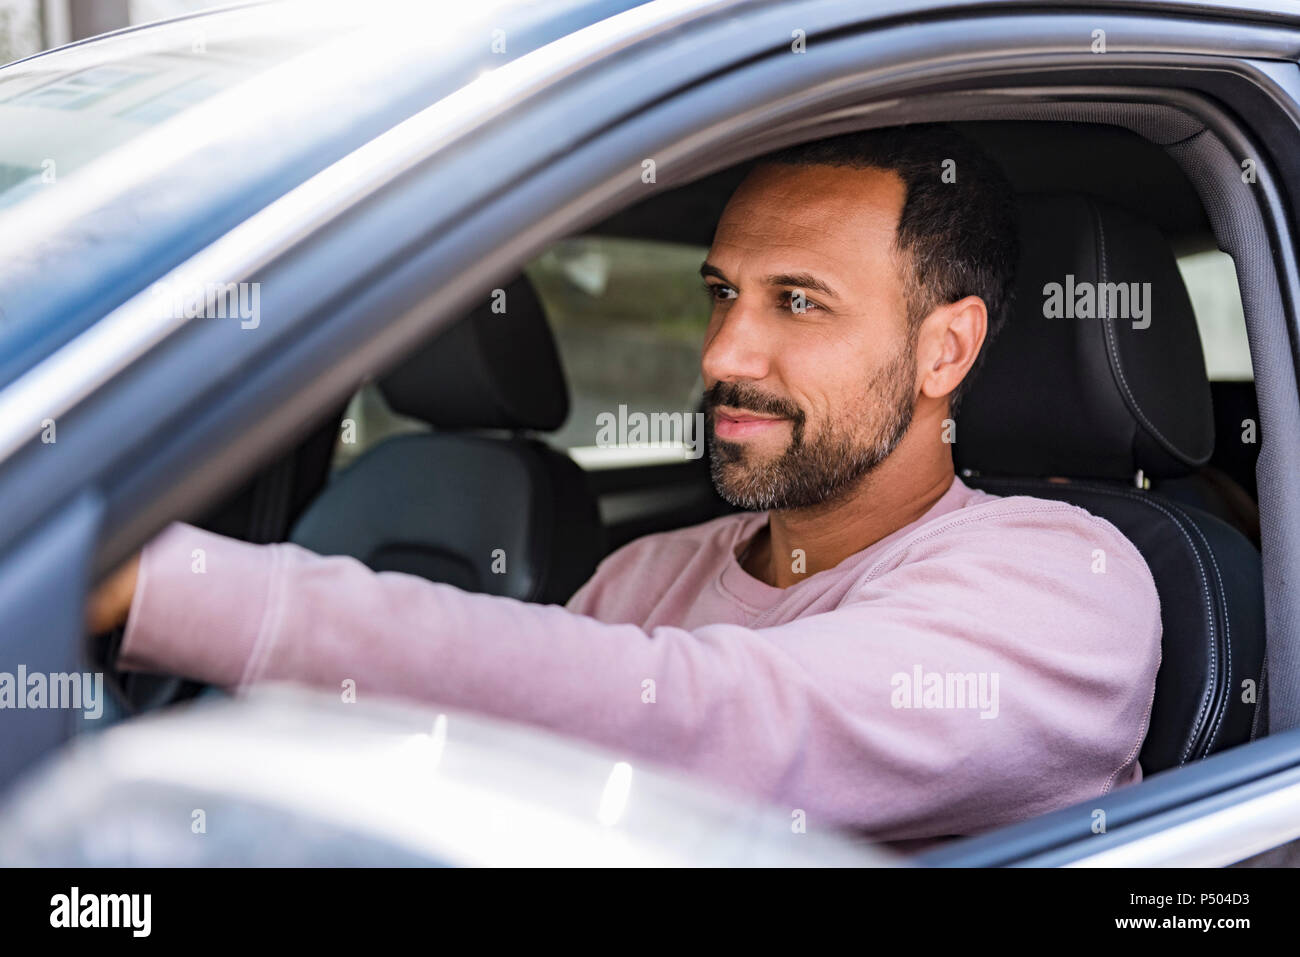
[
  {"x": 60, "y": 111},
  {"x": 123, "y": 156}
]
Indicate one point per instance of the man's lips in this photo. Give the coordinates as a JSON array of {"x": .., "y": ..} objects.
[{"x": 737, "y": 424}]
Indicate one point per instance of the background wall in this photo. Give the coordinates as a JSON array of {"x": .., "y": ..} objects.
[{"x": 30, "y": 26}]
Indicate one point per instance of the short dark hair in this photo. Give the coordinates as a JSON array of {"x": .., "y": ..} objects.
[{"x": 958, "y": 232}]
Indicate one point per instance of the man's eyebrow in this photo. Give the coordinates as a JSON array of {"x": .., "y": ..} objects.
[{"x": 800, "y": 280}]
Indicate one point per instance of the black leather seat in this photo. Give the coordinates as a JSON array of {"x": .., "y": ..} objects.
[
  {"x": 504, "y": 515},
  {"x": 1094, "y": 411}
]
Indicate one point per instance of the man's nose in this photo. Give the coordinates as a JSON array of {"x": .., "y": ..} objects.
[{"x": 739, "y": 349}]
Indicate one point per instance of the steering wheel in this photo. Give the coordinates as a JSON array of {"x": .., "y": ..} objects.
[{"x": 137, "y": 692}]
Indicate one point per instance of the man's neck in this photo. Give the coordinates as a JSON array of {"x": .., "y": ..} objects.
[{"x": 796, "y": 544}]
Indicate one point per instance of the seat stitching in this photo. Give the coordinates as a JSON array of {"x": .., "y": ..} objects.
[
  {"x": 1113, "y": 351},
  {"x": 1227, "y": 626}
]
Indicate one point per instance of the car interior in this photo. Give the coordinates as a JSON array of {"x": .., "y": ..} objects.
[{"x": 1126, "y": 422}]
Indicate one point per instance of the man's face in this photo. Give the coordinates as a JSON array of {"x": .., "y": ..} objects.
[{"x": 802, "y": 404}]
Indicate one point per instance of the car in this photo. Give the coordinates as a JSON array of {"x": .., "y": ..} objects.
[
  {"x": 286, "y": 777},
  {"x": 248, "y": 273}
]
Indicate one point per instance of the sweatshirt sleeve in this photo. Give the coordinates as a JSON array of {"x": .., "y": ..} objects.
[{"x": 829, "y": 714}]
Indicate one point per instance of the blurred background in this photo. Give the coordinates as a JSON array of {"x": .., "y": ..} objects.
[{"x": 30, "y": 26}]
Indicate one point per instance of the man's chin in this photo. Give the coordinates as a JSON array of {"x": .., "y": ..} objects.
[{"x": 741, "y": 485}]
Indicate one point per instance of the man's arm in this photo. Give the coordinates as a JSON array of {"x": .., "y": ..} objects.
[{"x": 807, "y": 713}]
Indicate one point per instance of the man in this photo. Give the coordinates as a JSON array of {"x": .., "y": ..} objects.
[{"x": 877, "y": 645}]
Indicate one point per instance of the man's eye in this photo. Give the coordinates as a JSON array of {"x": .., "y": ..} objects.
[
  {"x": 797, "y": 302},
  {"x": 716, "y": 290}
]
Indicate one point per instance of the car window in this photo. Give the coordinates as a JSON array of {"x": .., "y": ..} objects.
[
  {"x": 1211, "y": 280},
  {"x": 628, "y": 316}
]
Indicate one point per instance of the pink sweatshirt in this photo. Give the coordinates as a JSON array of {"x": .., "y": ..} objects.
[{"x": 993, "y": 660}]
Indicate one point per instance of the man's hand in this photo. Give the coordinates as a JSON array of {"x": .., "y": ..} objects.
[{"x": 111, "y": 601}]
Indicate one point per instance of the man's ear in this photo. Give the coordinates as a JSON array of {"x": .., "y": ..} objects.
[{"x": 949, "y": 342}]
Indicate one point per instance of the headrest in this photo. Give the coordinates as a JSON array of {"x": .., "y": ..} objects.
[
  {"x": 1098, "y": 371},
  {"x": 491, "y": 370}
]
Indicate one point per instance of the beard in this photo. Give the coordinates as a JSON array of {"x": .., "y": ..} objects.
[{"x": 812, "y": 471}]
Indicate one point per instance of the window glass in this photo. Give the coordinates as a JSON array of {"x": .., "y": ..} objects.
[
  {"x": 629, "y": 317},
  {"x": 1211, "y": 280}
]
